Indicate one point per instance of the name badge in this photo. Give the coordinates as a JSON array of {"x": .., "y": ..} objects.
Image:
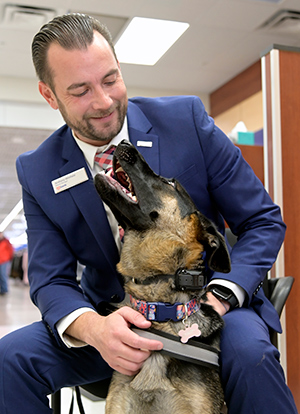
[
  {"x": 147, "y": 144},
  {"x": 69, "y": 180}
]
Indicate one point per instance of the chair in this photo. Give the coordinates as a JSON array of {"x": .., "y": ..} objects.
[{"x": 277, "y": 291}]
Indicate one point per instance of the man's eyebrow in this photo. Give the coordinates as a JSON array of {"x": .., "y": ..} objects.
[
  {"x": 111, "y": 72},
  {"x": 81, "y": 84}
]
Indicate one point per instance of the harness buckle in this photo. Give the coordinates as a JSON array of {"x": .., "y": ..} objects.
[{"x": 161, "y": 312}]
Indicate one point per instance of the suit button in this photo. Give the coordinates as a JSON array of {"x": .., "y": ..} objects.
[{"x": 115, "y": 298}]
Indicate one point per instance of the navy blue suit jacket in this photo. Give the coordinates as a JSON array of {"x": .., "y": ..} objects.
[{"x": 72, "y": 226}]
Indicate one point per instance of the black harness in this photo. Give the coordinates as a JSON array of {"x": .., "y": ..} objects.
[{"x": 183, "y": 279}]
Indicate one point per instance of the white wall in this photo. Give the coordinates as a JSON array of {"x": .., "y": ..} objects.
[
  {"x": 21, "y": 105},
  {"x": 29, "y": 115}
]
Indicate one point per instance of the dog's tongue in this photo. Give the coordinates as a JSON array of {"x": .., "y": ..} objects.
[
  {"x": 121, "y": 177},
  {"x": 122, "y": 184}
]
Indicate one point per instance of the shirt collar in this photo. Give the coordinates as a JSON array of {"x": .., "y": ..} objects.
[{"x": 89, "y": 151}]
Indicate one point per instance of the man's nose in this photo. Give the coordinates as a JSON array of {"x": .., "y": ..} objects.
[{"x": 101, "y": 99}]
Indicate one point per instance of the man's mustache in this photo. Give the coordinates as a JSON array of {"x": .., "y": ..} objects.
[{"x": 101, "y": 114}]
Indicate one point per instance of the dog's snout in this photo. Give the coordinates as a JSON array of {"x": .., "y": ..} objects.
[{"x": 127, "y": 156}]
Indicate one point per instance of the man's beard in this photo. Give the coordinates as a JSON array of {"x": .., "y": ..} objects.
[{"x": 85, "y": 129}]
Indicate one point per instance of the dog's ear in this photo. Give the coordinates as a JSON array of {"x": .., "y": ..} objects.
[
  {"x": 218, "y": 258},
  {"x": 217, "y": 254}
]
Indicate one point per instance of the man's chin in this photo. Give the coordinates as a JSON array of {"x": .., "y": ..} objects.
[{"x": 96, "y": 137}]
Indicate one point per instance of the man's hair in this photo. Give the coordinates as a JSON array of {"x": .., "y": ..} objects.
[{"x": 70, "y": 31}]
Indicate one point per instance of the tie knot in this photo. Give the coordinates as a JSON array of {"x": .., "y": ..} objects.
[{"x": 104, "y": 159}]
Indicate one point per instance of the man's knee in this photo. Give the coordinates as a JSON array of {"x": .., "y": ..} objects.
[
  {"x": 245, "y": 341},
  {"x": 16, "y": 349}
]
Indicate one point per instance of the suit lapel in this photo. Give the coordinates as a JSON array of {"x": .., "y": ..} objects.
[
  {"x": 88, "y": 201},
  {"x": 143, "y": 136}
]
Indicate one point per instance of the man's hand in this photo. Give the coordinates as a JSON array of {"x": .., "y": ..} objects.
[
  {"x": 111, "y": 335},
  {"x": 219, "y": 306}
]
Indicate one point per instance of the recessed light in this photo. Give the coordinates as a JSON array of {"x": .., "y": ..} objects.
[{"x": 145, "y": 40}]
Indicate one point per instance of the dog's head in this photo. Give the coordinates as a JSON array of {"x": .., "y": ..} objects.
[{"x": 161, "y": 210}]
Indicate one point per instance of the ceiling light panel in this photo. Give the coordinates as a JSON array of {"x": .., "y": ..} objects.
[
  {"x": 145, "y": 41},
  {"x": 271, "y": 1}
]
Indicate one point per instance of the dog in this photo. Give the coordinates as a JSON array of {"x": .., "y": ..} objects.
[{"x": 165, "y": 239}]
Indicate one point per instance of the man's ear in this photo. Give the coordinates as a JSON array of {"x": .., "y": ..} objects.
[{"x": 47, "y": 93}]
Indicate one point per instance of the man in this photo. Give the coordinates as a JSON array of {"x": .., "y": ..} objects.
[{"x": 80, "y": 75}]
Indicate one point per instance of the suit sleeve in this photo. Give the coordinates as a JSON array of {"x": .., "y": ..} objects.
[
  {"x": 53, "y": 285},
  {"x": 243, "y": 202}
]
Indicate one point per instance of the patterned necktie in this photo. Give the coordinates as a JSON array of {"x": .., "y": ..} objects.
[{"x": 104, "y": 159}]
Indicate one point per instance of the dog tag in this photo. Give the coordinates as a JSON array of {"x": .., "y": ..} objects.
[{"x": 189, "y": 332}]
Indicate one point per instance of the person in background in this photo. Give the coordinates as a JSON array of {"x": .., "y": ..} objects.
[
  {"x": 6, "y": 255},
  {"x": 76, "y": 342}
]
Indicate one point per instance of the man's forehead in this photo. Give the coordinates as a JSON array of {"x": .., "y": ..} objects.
[{"x": 60, "y": 60}]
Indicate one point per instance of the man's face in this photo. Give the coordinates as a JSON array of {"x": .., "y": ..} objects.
[{"x": 88, "y": 90}]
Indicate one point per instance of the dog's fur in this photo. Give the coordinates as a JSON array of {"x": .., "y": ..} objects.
[{"x": 164, "y": 232}]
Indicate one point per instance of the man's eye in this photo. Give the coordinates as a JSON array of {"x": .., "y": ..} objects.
[
  {"x": 109, "y": 83},
  {"x": 110, "y": 80},
  {"x": 78, "y": 95}
]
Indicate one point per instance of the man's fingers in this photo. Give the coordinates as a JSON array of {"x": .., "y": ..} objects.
[
  {"x": 134, "y": 317},
  {"x": 134, "y": 340},
  {"x": 124, "y": 350},
  {"x": 130, "y": 360}
]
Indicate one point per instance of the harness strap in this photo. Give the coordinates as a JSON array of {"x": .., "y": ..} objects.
[
  {"x": 183, "y": 279},
  {"x": 194, "y": 352}
]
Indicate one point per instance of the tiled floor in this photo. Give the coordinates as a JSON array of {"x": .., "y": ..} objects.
[{"x": 16, "y": 310}]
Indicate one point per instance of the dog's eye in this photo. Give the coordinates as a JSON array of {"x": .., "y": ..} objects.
[
  {"x": 153, "y": 215},
  {"x": 170, "y": 181}
]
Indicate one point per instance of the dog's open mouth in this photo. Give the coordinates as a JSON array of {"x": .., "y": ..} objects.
[
  {"x": 118, "y": 178},
  {"x": 123, "y": 178}
]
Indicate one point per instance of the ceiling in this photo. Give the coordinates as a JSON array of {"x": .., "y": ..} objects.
[{"x": 224, "y": 38}]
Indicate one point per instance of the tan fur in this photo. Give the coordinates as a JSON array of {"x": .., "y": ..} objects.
[
  {"x": 171, "y": 245},
  {"x": 164, "y": 232}
]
